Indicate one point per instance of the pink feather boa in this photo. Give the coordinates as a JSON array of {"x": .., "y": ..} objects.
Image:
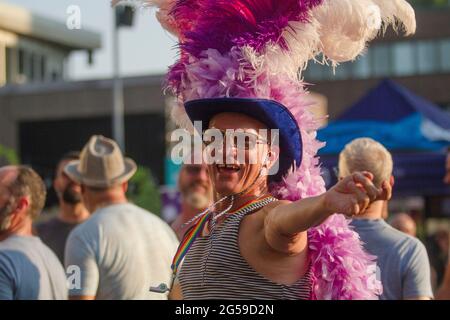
[{"x": 341, "y": 269}]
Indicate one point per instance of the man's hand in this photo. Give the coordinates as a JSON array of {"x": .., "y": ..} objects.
[{"x": 352, "y": 195}]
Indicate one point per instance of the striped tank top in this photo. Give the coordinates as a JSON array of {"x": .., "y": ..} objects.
[{"x": 225, "y": 274}]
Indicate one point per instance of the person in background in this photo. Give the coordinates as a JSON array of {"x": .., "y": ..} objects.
[
  {"x": 121, "y": 250},
  {"x": 29, "y": 270},
  {"x": 447, "y": 167},
  {"x": 444, "y": 291},
  {"x": 196, "y": 195},
  {"x": 402, "y": 259},
  {"x": 404, "y": 223},
  {"x": 72, "y": 211},
  {"x": 438, "y": 249}
]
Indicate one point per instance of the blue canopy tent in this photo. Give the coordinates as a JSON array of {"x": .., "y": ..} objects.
[{"x": 415, "y": 131}]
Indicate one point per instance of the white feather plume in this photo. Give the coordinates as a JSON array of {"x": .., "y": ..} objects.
[
  {"x": 399, "y": 14},
  {"x": 347, "y": 25},
  {"x": 338, "y": 31}
]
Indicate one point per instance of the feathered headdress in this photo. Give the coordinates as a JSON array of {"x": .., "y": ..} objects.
[{"x": 258, "y": 49}]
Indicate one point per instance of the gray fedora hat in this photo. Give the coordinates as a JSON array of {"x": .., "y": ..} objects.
[{"x": 101, "y": 164}]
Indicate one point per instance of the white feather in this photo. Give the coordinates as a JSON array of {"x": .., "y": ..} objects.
[
  {"x": 399, "y": 14},
  {"x": 303, "y": 41},
  {"x": 180, "y": 117},
  {"x": 338, "y": 29},
  {"x": 347, "y": 25}
]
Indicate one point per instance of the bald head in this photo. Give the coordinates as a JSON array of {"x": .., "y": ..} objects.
[
  {"x": 404, "y": 223},
  {"x": 8, "y": 174}
]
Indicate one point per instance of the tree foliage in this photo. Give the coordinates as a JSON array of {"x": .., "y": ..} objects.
[
  {"x": 8, "y": 156},
  {"x": 430, "y": 3},
  {"x": 144, "y": 192}
]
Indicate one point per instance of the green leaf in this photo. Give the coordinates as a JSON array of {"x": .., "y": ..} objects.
[
  {"x": 144, "y": 192},
  {"x": 9, "y": 155}
]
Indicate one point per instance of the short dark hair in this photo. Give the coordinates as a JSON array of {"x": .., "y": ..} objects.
[
  {"x": 29, "y": 183},
  {"x": 71, "y": 155}
]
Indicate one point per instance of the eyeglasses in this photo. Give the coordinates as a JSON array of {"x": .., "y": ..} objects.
[{"x": 239, "y": 139}]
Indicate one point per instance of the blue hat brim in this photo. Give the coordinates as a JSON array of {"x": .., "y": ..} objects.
[{"x": 273, "y": 114}]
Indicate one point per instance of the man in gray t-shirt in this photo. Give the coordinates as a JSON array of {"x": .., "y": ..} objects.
[
  {"x": 121, "y": 250},
  {"x": 402, "y": 260},
  {"x": 28, "y": 269}
]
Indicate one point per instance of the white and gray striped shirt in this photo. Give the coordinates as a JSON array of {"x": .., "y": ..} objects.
[{"x": 225, "y": 274}]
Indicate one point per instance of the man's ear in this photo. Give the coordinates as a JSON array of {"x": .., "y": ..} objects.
[
  {"x": 21, "y": 210},
  {"x": 273, "y": 155},
  {"x": 392, "y": 181},
  {"x": 23, "y": 204},
  {"x": 125, "y": 187}
]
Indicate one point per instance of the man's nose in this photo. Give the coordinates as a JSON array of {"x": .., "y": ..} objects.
[
  {"x": 230, "y": 152},
  {"x": 203, "y": 174}
]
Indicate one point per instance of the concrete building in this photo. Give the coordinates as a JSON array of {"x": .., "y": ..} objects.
[
  {"x": 34, "y": 48},
  {"x": 44, "y": 120}
]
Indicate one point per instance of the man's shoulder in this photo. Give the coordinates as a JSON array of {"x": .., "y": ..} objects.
[
  {"x": 384, "y": 234},
  {"x": 406, "y": 245},
  {"x": 87, "y": 228},
  {"x": 403, "y": 238},
  {"x": 154, "y": 222},
  {"x": 145, "y": 214},
  {"x": 24, "y": 246}
]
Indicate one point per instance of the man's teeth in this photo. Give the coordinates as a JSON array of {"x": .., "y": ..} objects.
[{"x": 228, "y": 166}]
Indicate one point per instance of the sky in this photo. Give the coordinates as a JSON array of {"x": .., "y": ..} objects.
[{"x": 145, "y": 48}]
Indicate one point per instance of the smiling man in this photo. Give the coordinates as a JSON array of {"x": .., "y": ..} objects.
[
  {"x": 255, "y": 246},
  {"x": 196, "y": 194},
  {"x": 272, "y": 232}
]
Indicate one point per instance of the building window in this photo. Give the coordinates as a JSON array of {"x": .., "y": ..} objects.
[
  {"x": 361, "y": 67},
  {"x": 428, "y": 57},
  {"x": 314, "y": 71},
  {"x": 404, "y": 59},
  {"x": 21, "y": 61},
  {"x": 381, "y": 60},
  {"x": 342, "y": 72},
  {"x": 8, "y": 64},
  {"x": 55, "y": 75},
  {"x": 445, "y": 55},
  {"x": 32, "y": 65},
  {"x": 43, "y": 63}
]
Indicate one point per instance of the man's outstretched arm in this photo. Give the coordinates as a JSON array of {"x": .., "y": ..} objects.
[{"x": 285, "y": 225}]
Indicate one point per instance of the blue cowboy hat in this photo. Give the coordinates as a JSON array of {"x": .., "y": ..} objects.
[{"x": 273, "y": 114}]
